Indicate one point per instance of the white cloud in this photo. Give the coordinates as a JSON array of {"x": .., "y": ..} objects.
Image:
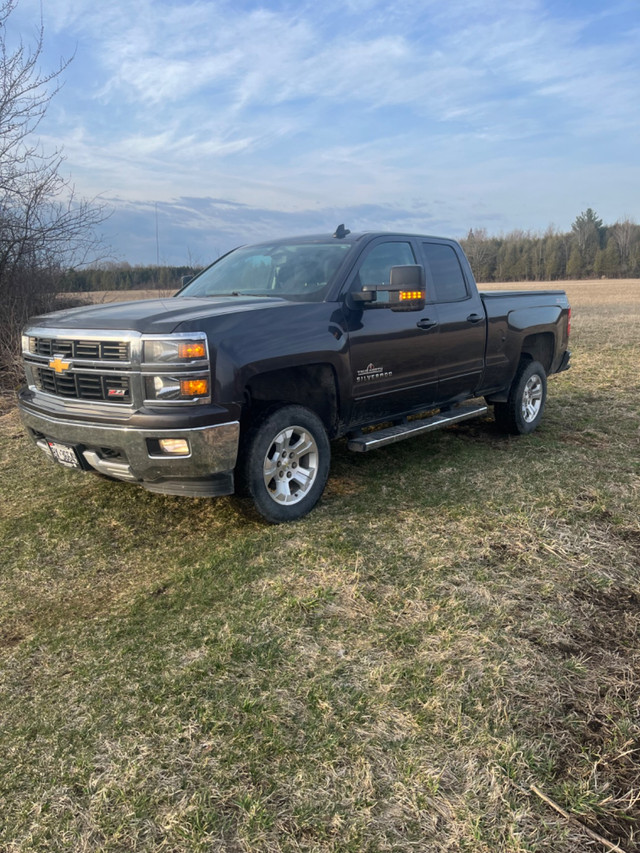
[
  {"x": 298, "y": 106},
  {"x": 469, "y": 60}
]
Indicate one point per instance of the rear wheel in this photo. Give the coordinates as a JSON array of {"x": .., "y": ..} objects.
[
  {"x": 285, "y": 463},
  {"x": 522, "y": 412}
]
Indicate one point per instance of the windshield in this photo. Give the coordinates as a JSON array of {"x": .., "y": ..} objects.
[{"x": 291, "y": 271}]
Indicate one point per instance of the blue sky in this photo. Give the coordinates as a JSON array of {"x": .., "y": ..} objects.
[{"x": 231, "y": 121}]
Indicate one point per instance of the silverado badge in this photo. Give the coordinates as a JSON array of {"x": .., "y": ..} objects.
[{"x": 372, "y": 372}]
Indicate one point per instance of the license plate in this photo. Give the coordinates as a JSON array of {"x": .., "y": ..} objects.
[{"x": 63, "y": 454}]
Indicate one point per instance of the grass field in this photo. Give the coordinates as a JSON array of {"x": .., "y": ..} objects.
[{"x": 455, "y": 625}]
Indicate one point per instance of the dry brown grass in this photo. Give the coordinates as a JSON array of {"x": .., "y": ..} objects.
[
  {"x": 600, "y": 291},
  {"x": 456, "y": 622},
  {"x": 99, "y": 296}
]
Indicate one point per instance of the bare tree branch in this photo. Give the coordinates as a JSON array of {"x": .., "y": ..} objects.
[{"x": 44, "y": 228}]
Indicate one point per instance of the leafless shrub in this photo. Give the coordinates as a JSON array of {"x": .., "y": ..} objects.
[{"x": 44, "y": 229}]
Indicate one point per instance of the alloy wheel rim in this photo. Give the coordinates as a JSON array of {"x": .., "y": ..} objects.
[
  {"x": 532, "y": 398},
  {"x": 290, "y": 465}
]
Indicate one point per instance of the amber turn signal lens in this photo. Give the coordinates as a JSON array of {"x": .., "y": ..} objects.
[
  {"x": 192, "y": 349},
  {"x": 194, "y": 387},
  {"x": 410, "y": 294}
]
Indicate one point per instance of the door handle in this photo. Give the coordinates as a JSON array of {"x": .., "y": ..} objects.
[
  {"x": 426, "y": 323},
  {"x": 475, "y": 318}
]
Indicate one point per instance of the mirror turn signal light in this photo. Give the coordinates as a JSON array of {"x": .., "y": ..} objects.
[{"x": 405, "y": 295}]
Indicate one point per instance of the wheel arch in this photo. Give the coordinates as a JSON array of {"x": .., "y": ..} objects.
[
  {"x": 539, "y": 347},
  {"x": 313, "y": 386}
]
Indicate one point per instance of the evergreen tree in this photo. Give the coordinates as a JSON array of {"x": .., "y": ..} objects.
[
  {"x": 587, "y": 228},
  {"x": 575, "y": 266},
  {"x": 588, "y": 235},
  {"x": 607, "y": 262},
  {"x": 553, "y": 258}
]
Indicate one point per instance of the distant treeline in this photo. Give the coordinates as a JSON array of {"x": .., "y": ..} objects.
[
  {"x": 122, "y": 276},
  {"x": 589, "y": 250}
]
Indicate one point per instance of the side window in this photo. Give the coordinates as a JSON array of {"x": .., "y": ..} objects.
[
  {"x": 376, "y": 267},
  {"x": 444, "y": 273}
]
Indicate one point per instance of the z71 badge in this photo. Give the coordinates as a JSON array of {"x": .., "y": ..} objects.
[{"x": 372, "y": 372}]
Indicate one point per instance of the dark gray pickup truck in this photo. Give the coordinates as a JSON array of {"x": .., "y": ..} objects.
[{"x": 240, "y": 381}]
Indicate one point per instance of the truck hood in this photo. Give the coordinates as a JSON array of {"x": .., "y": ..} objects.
[{"x": 153, "y": 315}]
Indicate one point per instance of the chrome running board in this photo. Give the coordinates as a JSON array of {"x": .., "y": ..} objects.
[{"x": 390, "y": 435}]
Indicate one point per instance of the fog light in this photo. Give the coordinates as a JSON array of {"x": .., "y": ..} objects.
[
  {"x": 175, "y": 389},
  {"x": 174, "y": 446},
  {"x": 194, "y": 387}
]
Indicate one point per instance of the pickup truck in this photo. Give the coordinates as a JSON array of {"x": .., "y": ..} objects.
[{"x": 240, "y": 381}]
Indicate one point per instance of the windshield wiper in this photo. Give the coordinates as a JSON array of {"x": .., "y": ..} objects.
[
  {"x": 249, "y": 293},
  {"x": 242, "y": 293}
]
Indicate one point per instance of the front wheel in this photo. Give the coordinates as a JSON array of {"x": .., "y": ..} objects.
[
  {"x": 285, "y": 463},
  {"x": 522, "y": 412}
]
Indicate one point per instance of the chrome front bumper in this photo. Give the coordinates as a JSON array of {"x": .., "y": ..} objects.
[{"x": 132, "y": 454}]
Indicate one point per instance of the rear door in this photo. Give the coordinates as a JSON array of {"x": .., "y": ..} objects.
[{"x": 462, "y": 321}]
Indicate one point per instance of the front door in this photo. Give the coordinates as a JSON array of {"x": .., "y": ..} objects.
[{"x": 393, "y": 354}]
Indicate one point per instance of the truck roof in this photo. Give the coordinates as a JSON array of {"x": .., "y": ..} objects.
[{"x": 349, "y": 237}]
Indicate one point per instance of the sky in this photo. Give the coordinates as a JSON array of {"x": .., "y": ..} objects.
[{"x": 208, "y": 124}]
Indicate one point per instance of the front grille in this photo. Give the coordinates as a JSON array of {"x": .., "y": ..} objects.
[
  {"x": 109, "y": 350},
  {"x": 75, "y": 385}
]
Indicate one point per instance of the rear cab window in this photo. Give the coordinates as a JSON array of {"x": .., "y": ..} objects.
[{"x": 445, "y": 279}]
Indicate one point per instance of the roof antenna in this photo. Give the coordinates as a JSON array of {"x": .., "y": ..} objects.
[{"x": 341, "y": 232}]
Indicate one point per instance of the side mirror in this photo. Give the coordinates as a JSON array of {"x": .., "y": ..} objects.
[
  {"x": 407, "y": 288},
  {"x": 405, "y": 291}
]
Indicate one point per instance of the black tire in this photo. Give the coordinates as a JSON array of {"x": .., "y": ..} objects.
[
  {"x": 284, "y": 464},
  {"x": 522, "y": 412}
]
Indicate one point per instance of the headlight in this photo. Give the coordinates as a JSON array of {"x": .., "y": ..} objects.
[
  {"x": 176, "y": 350},
  {"x": 176, "y": 368}
]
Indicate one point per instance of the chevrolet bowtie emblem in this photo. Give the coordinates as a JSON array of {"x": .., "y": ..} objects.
[{"x": 59, "y": 365}]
